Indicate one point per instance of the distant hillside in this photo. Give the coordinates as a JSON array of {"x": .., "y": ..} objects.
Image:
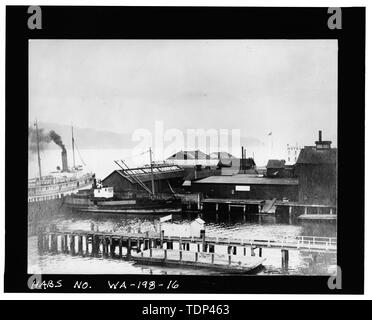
[{"x": 87, "y": 138}]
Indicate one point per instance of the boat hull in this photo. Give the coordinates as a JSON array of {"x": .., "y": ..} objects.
[{"x": 128, "y": 206}]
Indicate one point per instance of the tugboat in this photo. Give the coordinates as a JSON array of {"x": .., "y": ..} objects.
[
  {"x": 46, "y": 192},
  {"x": 104, "y": 199}
]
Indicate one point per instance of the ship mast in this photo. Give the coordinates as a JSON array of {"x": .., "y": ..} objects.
[
  {"x": 152, "y": 174},
  {"x": 73, "y": 146},
  {"x": 38, "y": 148}
]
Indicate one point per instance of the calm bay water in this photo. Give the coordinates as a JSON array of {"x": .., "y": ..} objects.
[
  {"x": 254, "y": 227},
  {"x": 234, "y": 226}
]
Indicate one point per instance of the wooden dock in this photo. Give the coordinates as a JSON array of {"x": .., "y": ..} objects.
[
  {"x": 266, "y": 206},
  {"x": 129, "y": 245},
  {"x": 318, "y": 217},
  {"x": 311, "y": 209},
  {"x": 233, "y": 203}
]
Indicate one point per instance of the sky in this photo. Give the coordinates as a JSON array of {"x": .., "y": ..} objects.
[{"x": 287, "y": 87}]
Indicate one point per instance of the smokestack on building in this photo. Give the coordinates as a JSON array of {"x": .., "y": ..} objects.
[{"x": 320, "y": 144}]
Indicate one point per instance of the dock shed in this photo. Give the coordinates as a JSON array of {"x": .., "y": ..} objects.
[
  {"x": 247, "y": 186},
  {"x": 166, "y": 179}
]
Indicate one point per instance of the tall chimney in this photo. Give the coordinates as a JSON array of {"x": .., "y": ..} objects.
[
  {"x": 320, "y": 135},
  {"x": 64, "y": 160}
]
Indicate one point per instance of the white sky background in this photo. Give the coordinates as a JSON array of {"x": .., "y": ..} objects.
[{"x": 288, "y": 87}]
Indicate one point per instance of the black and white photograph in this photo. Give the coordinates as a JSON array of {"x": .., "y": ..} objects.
[
  {"x": 183, "y": 156},
  {"x": 178, "y": 157}
]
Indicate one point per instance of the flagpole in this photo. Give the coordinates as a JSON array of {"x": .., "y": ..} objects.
[{"x": 272, "y": 144}]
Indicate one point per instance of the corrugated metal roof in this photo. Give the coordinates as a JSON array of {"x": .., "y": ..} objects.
[
  {"x": 248, "y": 179},
  {"x": 275, "y": 164},
  {"x": 189, "y": 155},
  {"x": 223, "y": 155},
  {"x": 310, "y": 155},
  {"x": 144, "y": 173}
]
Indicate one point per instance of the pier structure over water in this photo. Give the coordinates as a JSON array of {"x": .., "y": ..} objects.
[
  {"x": 156, "y": 248},
  {"x": 309, "y": 211},
  {"x": 293, "y": 209}
]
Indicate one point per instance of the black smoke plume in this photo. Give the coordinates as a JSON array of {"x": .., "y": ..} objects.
[
  {"x": 56, "y": 138},
  {"x": 44, "y": 139}
]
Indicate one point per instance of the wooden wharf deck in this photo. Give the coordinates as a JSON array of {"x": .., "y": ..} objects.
[
  {"x": 318, "y": 217},
  {"x": 319, "y": 208}
]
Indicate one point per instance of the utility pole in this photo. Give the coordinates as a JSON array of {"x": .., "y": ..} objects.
[
  {"x": 38, "y": 148},
  {"x": 152, "y": 174}
]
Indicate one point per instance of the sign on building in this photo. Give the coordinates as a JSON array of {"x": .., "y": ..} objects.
[{"x": 243, "y": 188}]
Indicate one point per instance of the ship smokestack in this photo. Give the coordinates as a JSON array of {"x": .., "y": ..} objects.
[
  {"x": 64, "y": 160},
  {"x": 58, "y": 141},
  {"x": 320, "y": 135}
]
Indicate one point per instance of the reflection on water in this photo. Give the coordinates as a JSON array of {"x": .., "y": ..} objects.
[{"x": 223, "y": 225}]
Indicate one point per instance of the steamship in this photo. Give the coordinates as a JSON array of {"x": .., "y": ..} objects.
[{"x": 46, "y": 192}]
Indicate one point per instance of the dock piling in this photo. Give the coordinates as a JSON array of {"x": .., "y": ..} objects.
[
  {"x": 80, "y": 244},
  {"x": 120, "y": 247},
  {"x": 285, "y": 258},
  {"x": 112, "y": 247},
  {"x": 87, "y": 244},
  {"x": 129, "y": 247},
  {"x": 72, "y": 244},
  {"x": 65, "y": 243},
  {"x": 63, "y": 249}
]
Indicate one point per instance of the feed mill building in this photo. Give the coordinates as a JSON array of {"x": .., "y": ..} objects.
[{"x": 316, "y": 168}]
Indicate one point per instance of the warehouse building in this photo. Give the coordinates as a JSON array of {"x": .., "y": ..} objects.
[
  {"x": 278, "y": 169},
  {"x": 246, "y": 186},
  {"x": 167, "y": 179}
]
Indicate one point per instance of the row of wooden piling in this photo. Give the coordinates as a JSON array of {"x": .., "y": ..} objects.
[{"x": 90, "y": 244}]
